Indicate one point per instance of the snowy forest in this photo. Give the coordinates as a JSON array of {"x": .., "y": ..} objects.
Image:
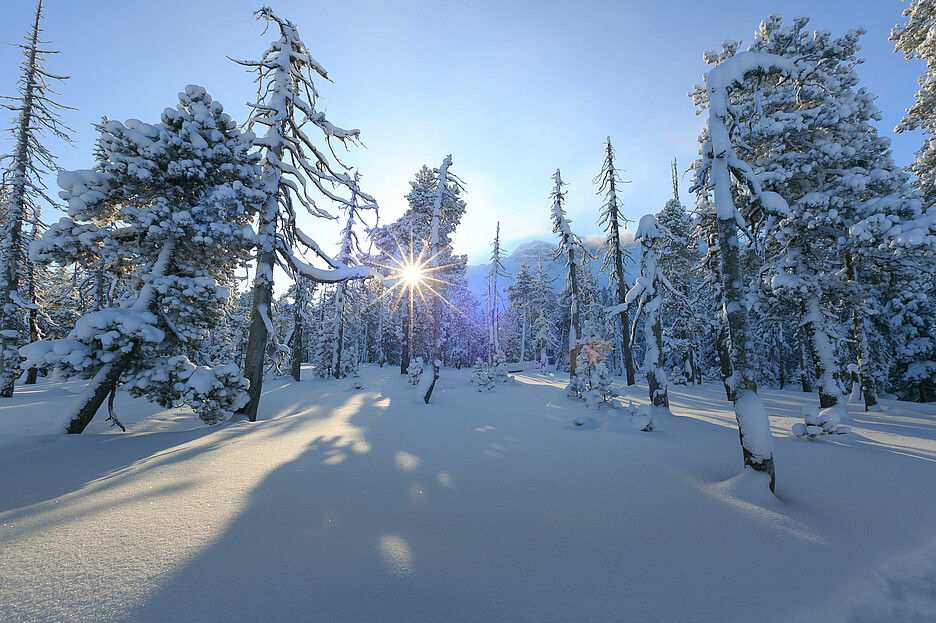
[{"x": 184, "y": 266}]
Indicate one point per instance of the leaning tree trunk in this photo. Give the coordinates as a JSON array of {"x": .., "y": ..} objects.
[
  {"x": 104, "y": 383},
  {"x": 436, "y": 249}
]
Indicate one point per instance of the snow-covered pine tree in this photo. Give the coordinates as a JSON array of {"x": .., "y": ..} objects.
[
  {"x": 37, "y": 115},
  {"x": 647, "y": 293},
  {"x": 715, "y": 175},
  {"x": 295, "y": 171},
  {"x": 813, "y": 141},
  {"x": 575, "y": 253},
  {"x": 175, "y": 199},
  {"x": 916, "y": 38},
  {"x": 493, "y": 298},
  {"x": 615, "y": 256}
]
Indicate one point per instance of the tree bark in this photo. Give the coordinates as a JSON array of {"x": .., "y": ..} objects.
[
  {"x": 296, "y": 343},
  {"x": 862, "y": 347},
  {"x": 659, "y": 395},
  {"x": 258, "y": 336},
  {"x": 724, "y": 358},
  {"x": 805, "y": 357},
  {"x": 815, "y": 326},
  {"x": 407, "y": 322},
  {"x": 103, "y": 384}
]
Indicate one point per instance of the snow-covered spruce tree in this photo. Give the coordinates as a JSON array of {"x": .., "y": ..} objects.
[
  {"x": 294, "y": 170},
  {"x": 615, "y": 256},
  {"x": 720, "y": 165},
  {"x": 175, "y": 199},
  {"x": 37, "y": 116},
  {"x": 571, "y": 247},
  {"x": 647, "y": 293},
  {"x": 916, "y": 38},
  {"x": 494, "y": 299},
  {"x": 683, "y": 310}
]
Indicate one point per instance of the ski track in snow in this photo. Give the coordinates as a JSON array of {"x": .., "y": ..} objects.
[{"x": 363, "y": 505}]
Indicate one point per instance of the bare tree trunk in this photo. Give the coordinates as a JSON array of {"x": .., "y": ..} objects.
[
  {"x": 868, "y": 390},
  {"x": 103, "y": 384},
  {"x": 339, "y": 333},
  {"x": 724, "y": 358},
  {"x": 781, "y": 350},
  {"x": 575, "y": 326},
  {"x": 407, "y": 321},
  {"x": 258, "y": 336},
  {"x": 32, "y": 319},
  {"x": 815, "y": 326},
  {"x": 295, "y": 345},
  {"x": 757, "y": 452},
  {"x": 658, "y": 392}
]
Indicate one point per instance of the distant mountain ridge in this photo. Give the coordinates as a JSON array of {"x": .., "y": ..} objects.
[{"x": 541, "y": 250}]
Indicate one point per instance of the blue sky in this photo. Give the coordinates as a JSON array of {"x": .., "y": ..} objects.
[{"x": 513, "y": 90}]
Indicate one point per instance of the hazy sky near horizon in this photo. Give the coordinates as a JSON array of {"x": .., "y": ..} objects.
[{"x": 512, "y": 89}]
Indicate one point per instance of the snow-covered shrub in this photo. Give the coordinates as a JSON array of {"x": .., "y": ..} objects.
[
  {"x": 213, "y": 393},
  {"x": 679, "y": 375},
  {"x": 593, "y": 382},
  {"x": 415, "y": 370},
  {"x": 817, "y": 423},
  {"x": 499, "y": 370},
  {"x": 482, "y": 376},
  {"x": 643, "y": 418}
]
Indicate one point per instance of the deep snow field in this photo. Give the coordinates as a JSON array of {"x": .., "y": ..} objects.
[{"x": 363, "y": 505}]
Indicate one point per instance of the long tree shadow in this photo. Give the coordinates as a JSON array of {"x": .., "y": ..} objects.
[
  {"x": 56, "y": 465},
  {"x": 497, "y": 514}
]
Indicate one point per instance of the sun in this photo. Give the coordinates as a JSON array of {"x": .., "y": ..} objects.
[{"x": 412, "y": 274}]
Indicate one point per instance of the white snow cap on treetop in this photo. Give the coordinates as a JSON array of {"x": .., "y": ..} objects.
[{"x": 648, "y": 228}]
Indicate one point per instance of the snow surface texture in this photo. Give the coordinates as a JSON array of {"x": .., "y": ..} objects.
[{"x": 344, "y": 505}]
